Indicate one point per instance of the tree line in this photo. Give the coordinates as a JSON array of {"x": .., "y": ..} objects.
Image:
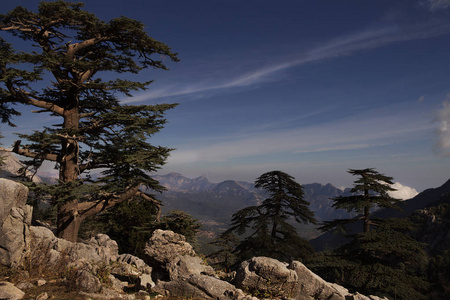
[{"x": 382, "y": 258}]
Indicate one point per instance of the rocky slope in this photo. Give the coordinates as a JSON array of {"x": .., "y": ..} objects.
[{"x": 95, "y": 269}]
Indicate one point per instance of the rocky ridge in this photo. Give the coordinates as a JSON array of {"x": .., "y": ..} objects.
[{"x": 170, "y": 266}]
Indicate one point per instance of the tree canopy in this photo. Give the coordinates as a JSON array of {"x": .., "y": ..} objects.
[
  {"x": 369, "y": 191},
  {"x": 267, "y": 226},
  {"x": 70, "y": 50},
  {"x": 382, "y": 259}
]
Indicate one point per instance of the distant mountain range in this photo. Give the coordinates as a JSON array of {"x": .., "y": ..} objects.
[
  {"x": 215, "y": 203},
  {"x": 428, "y": 198}
]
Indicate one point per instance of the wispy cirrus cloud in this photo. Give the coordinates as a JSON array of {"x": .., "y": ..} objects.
[
  {"x": 435, "y": 5},
  {"x": 342, "y": 46},
  {"x": 356, "y": 133}
]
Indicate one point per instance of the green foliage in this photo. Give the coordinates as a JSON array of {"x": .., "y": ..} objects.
[
  {"x": 95, "y": 132},
  {"x": 433, "y": 225},
  {"x": 267, "y": 228},
  {"x": 224, "y": 257},
  {"x": 439, "y": 274},
  {"x": 370, "y": 191},
  {"x": 182, "y": 223},
  {"x": 132, "y": 223},
  {"x": 383, "y": 262},
  {"x": 383, "y": 259},
  {"x": 127, "y": 223}
]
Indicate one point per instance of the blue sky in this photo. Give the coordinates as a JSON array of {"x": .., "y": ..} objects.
[{"x": 312, "y": 88}]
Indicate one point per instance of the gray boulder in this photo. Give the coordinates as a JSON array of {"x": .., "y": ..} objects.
[
  {"x": 273, "y": 279},
  {"x": 200, "y": 287},
  {"x": 87, "y": 282},
  {"x": 15, "y": 220},
  {"x": 10, "y": 292},
  {"x": 134, "y": 261},
  {"x": 88, "y": 260},
  {"x": 106, "y": 248},
  {"x": 183, "y": 274},
  {"x": 314, "y": 286},
  {"x": 266, "y": 277},
  {"x": 184, "y": 266},
  {"x": 165, "y": 246}
]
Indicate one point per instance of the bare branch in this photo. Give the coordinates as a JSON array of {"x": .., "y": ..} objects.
[
  {"x": 154, "y": 201},
  {"x": 30, "y": 154},
  {"x": 87, "y": 209}
]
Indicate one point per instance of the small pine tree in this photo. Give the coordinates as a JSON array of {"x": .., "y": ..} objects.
[
  {"x": 224, "y": 257},
  {"x": 369, "y": 191},
  {"x": 382, "y": 259},
  {"x": 267, "y": 226},
  {"x": 127, "y": 223}
]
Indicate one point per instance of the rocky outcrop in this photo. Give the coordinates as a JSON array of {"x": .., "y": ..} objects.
[
  {"x": 15, "y": 219},
  {"x": 270, "y": 278},
  {"x": 266, "y": 277},
  {"x": 164, "y": 246},
  {"x": 93, "y": 264},
  {"x": 170, "y": 266},
  {"x": 181, "y": 273},
  {"x": 10, "y": 292}
]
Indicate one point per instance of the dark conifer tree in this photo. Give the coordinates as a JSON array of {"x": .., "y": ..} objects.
[
  {"x": 267, "y": 226},
  {"x": 224, "y": 257},
  {"x": 370, "y": 191},
  {"x": 71, "y": 49},
  {"x": 382, "y": 259}
]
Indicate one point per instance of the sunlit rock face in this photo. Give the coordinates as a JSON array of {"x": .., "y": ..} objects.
[{"x": 15, "y": 221}]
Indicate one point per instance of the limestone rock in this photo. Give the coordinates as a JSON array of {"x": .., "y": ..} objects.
[
  {"x": 185, "y": 265},
  {"x": 88, "y": 260},
  {"x": 117, "y": 284},
  {"x": 12, "y": 194},
  {"x": 164, "y": 246},
  {"x": 314, "y": 286},
  {"x": 132, "y": 260},
  {"x": 41, "y": 282},
  {"x": 199, "y": 286},
  {"x": 15, "y": 220},
  {"x": 106, "y": 247},
  {"x": 10, "y": 292},
  {"x": 272, "y": 278},
  {"x": 108, "y": 294},
  {"x": 146, "y": 281},
  {"x": 267, "y": 276},
  {"x": 187, "y": 275},
  {"x": 275, "y": 279},
  {"x": 87, "y": 282},
  {"x": 25, "y": 285},
  {"x": 42, "y": 296}
]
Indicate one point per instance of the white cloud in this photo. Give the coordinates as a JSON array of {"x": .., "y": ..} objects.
[
  {"x": 435, "y": 5},
  {"x": 443, "y": 144},
  {"x": 402, "y": 192}
]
